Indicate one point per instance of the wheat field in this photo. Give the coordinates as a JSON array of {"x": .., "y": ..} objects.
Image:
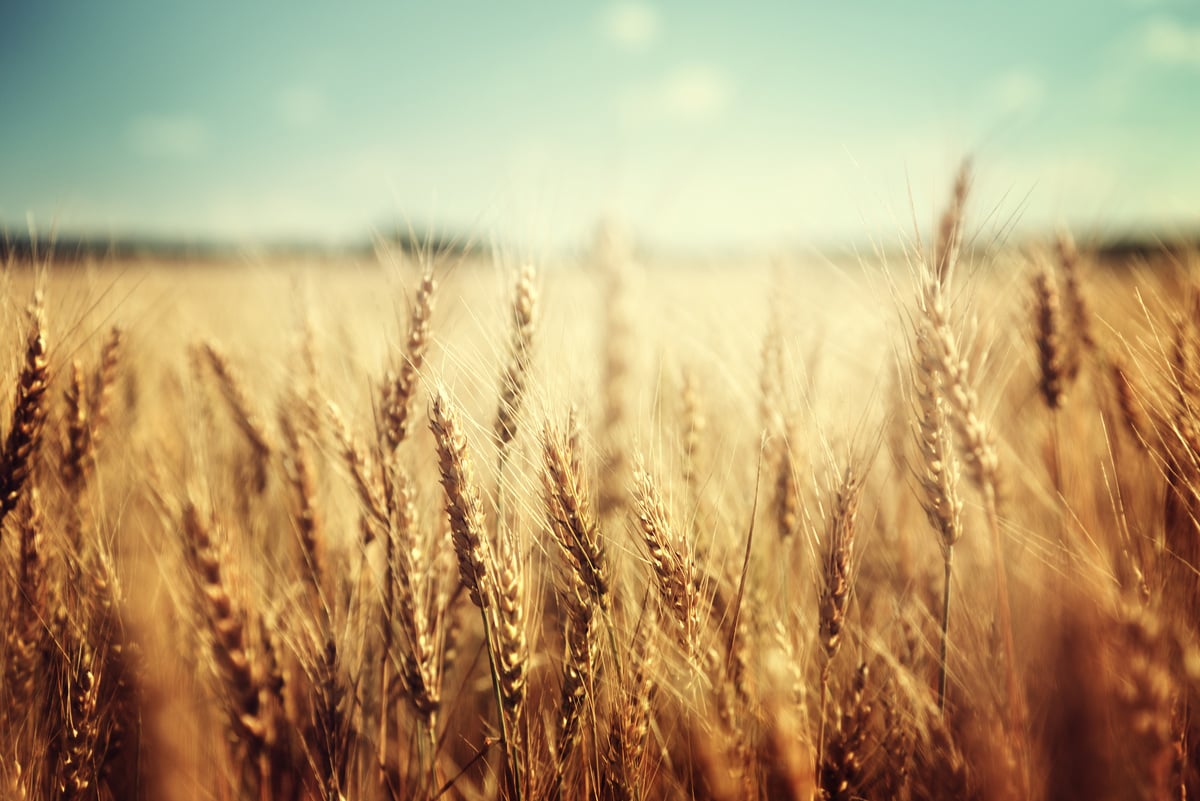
[{"x": 922, "y": 525}]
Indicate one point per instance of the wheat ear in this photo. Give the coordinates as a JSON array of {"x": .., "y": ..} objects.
[
  {"x": 464, "y": 509},
  {"x": 399, "y": 388},
  {"x": 937, "y": 475},
  {"x": 24, "y": 439},
  {"x": 516, "y": 370},
  {"x": 670, "y": 558},
  {"x": 234, "y": 391},
  {"x": 837, "y": 583},
  {"x": 950, "y": 226},
  {"x": 227, "y": 627},
  {"x": 1048, "y": 329},
  {"x": 977, "y": 446}
]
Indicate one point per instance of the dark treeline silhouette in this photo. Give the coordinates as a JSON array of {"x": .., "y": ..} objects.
[
  {"x": 22, "y": 248},
  {"x": 67, "y": 248}
]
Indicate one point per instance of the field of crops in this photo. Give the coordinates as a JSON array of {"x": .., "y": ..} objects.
[{"x": 920, "y": 525}]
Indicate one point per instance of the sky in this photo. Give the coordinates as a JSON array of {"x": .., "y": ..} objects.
[{"x": 697, "y": 124}]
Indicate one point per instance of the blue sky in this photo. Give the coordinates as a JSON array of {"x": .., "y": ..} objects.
[{"x": 699, "y": 124}]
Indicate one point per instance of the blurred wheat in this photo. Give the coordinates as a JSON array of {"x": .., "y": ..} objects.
[{"x": 663, "y": 556}]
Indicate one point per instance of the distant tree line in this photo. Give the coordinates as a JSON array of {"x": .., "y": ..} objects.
[{"x": 19, "y": 248}]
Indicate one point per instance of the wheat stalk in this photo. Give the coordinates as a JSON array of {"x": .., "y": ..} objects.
[
  {"x": 104, "y": 378},
  {"x": 400, "y": 387},
  {"x": 670, "y": 558},
  {"x": 937, "y": 474},
  {"x": 950, "y": 227},
  {"x": 978, "y": 450},
  {"x": 234, "y": 391},
  {"x": 1079, "y": 310},
  {"x": 837, "y": 582},
  {"x": 301, "y": 476},
  {"x": 569, "y": 512},
  {"x": 464, "y": 509},
  {"x": 24, "y": 439},
  {"x": 229, "y": 649},
  {"x": 1048, "y": 334},
  {"x": 516, "y": 370},
  {"x": 363, "y": 473},
  {"x": 464, "y": 505},
  {"x": 615, "y": 369}
]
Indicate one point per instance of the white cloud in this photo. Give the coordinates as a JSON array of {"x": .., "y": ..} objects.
[
  {"x": 632, "y": 25},
  {"x": 1168, "y": 41},
  {"x": 1017, "y": 91},
  {"x": 301, "y": 105},
  {"x": 172, "y": 136},
  {"x": 689, "y": 94}
]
